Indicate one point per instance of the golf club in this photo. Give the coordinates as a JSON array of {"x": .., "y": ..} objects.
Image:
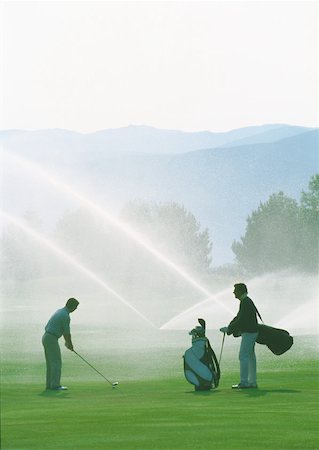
[
  {"x": 221, "y": 350},
  {"x": 113, "y": 384}
]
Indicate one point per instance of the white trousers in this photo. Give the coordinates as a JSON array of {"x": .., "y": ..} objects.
[{"x": 247, "y": 358}]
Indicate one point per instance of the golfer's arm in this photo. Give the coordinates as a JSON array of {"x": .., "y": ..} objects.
[{"x": 68, "y": 340}]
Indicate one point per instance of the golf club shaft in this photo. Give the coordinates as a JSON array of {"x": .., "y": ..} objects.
[
  {"x": 93, "y": 367},
  {"x": 221, "y": 350}
]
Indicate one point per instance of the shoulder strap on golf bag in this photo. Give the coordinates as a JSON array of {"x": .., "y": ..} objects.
[
  {"x": 258, "y": 314},
  {"x": 216, "y": 371}
]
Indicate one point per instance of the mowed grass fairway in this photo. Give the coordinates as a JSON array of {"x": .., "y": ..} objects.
[{"x": 166, "y": 413}]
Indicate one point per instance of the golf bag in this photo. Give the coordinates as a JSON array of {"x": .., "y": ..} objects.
[
  {"x": 278, "y": 341},
  {"x": 201, "y": 366}
]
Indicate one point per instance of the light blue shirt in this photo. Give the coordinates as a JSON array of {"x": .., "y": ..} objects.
[{"x": 59, "y": 323}]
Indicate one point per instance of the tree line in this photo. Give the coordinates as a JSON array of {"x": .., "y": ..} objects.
[{"x": 281, "y": 233}]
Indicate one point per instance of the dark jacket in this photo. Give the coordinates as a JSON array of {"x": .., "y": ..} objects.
[{"x": 246, "y": 319}]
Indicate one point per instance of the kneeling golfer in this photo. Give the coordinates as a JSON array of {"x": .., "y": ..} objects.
[
  {"x": 245, "y": 325},
  {"x": 58, "y": 325}
]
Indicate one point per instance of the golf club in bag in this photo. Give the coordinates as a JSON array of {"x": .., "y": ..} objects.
[
  {"x": 201, "y": 367},
  {"x": 114, "y": 384}
]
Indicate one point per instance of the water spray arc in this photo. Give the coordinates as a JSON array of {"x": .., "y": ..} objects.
[
  {"x": 70, "y": 260},
  {"x": 133, "y": 234},
  {"x": 167, "y": 324}
]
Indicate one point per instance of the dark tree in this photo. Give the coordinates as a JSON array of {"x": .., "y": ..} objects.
[
  {"x": 271, "y": 241},
  {"x": 309, "y": 218}
]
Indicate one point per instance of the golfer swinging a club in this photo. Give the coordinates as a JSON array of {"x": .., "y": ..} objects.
[
  {"x": 58, "y": 325},
  {"x": 245, "y": 325}
]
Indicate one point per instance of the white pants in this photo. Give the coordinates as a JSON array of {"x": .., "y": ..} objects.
[{"x": 247, "y": 358}]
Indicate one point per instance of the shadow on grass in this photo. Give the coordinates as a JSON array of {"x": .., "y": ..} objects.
[
  {"x": 248, "y": 392},
  {"x": 205, "y": 393},
  {"x": 262, "y": 392},
  {"x": 54, "y": 394}
]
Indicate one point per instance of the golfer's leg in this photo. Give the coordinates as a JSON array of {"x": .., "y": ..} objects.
[
  {"x": 252, "y": 373},
  {"x": 53, "y": 360},
  {"x": 47, "y": 362},
  {"x": 244, "y": 358},
  {"x": 56, "y": 365}
]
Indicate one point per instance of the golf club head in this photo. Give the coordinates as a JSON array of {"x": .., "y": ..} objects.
[{"x": 115, "y": 384}]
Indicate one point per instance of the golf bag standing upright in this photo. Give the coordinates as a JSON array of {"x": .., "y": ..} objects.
[{"x": 201, "y": 367}]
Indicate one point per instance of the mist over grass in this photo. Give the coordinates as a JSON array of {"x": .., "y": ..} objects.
[
  {"x": 286, "y": 298},
  {"x": 102, "y": 327}
]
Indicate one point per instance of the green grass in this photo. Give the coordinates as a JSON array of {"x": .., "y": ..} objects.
[{"x": 166, "y": 413}]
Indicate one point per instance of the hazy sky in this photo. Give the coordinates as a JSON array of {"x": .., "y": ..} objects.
[{"x": 181, "y": 65}]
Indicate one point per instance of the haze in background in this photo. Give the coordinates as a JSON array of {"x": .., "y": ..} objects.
[
  {"x": 219, "y": 177},
  {"x": 89, "y": 66}
]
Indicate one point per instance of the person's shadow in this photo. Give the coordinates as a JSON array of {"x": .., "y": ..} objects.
[
  {"x": 262, "y": 392},
  {"x": 54, "y": 394},
  {"x": 249, "y": 392}
]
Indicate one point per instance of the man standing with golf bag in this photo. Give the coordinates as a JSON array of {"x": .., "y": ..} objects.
[
  {"x": 245, "y": 325},
  {"x": 58, "y": 325}
]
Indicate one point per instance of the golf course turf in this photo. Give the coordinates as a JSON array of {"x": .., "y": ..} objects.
[{"x": 164, "y": 413}]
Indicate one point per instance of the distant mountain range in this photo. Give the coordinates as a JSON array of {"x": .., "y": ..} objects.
[
  {"x": 220, "y": 177},
  {"x": 143, "y": 139}
]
